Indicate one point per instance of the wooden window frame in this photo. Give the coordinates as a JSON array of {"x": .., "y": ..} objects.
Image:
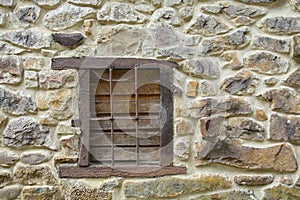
[{"x": 83, "y": 169}]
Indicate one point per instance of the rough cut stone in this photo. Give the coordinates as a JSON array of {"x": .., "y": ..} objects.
[
  {"x": 121, "y": 12},
  {"x": 243, "y": 21},
  {"x": 233, "y": 58},
  {"x": 63, "y": 129},
  {"x": 211, "y": 127},
  {"x": 8, "y": 158},
  {"x": 52, "y": 79},
  {"x": 48, "y": 120},
  {"x": 66, "y": 16},
  {"x": 25, "y": 131},
  {"x": 68, "y": 39},
  {"x": 254, "y": 180},
  {"x": 271, "y": 81},
  {"x": 34, "y": 175},
  {"x": 261, "y": 115},
  {"x": 47, "y": 3},
  {"x": 88, "y": 26},
  {"x": 70, "y": 144},
  {"x": 65, "y": 159},
  {"x": 28, "y": 14},
  {"x": 217, "y": 45},
  {"x": 240, "y": 195},
  {"x": 177, "y": 52},
  {"x": 8, "y": 3},
  {"x": 207, "y": 89},
  {"x": 34, "y": 158},
  {"x": 86, "y": 2},
  {"x": 208, "y": 26},
  {"x": 182, "y": 147},
  {"x": 184, "y": 127},
  {"x": 172, "y": 2},
  {"x": 244, "y": 128},
  {"x": 31, "y": 79},
  {"x": 281, "y": 192},
  {"x": 41, "y": 98},
  {"x": 5, "y": 178},
  {"x": 294, "y": 79},
  {"x": 3, "y": 118},
  {"x": 10, "y": 192},
  {"x": 236, "y": 10},
  {"x": 281, "y": 25},
  {"x": 60, "y": 104},
  {"x": 16, "y": 103},
  {"x": 272, "y": 44},
  {"x": 283, "y": 100},
  {"x": 11, "y": 70},
  {"x": 211, "y": 9},
  {"x": 164, "y": 36},
  {"x": 296, "y": 46},
  {"x": 165, "y": 16},
  {"x": 296, "y": 4},
  {"x": 170, "y": 187},
  {"x": 203, "y": 68},
  {"x": 27, "y": 38},
  {"x": 266, "y": 63},
  {"x": 286, "y": 180},
  {"x": 243, "y": 83},
  {"x": 8, "y": 49},
  {"x": 227, "y": 106},
  {"x": 258, "y": 1},
  {"x": 231, "y": 152},
  {"x": 186, "y": 12},
  {"x": 2, "y": 17},
  {"x": 191, "y": 89},
  {"x": 285, "y": 128},
  {"x": 38, "y": 193},
  {"x": 33, "y": 63}
]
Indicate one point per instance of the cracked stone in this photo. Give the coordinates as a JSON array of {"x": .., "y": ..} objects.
[
  {"x": 68, "y": 39},
  {"x": 294, "y": 79},
  {"x": 8, "y": 158},
  {"x": 236, "y": 10},
  {"x": 281, "y": 25},
  {"x": 11, "y": 70},
  {"x": 28, "y": 14},
  {"x": 272, "y": 44},
  {"x": 253, "y": 180},
  {"x": 203, "y": 68}
]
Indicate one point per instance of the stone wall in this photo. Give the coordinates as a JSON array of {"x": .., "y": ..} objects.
[{"x": 237, "y": 103}]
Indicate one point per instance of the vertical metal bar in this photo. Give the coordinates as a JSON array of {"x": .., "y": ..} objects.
[
  {"x": 136, "y": 116},
  {"x": 111, "y": 117}
]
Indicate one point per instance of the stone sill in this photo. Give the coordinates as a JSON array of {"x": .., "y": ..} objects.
[{"x": 101, "y": 171}]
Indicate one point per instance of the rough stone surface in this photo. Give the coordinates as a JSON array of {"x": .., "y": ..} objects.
[
  {"x": 243, "y": 21},
  {"x": 70, "y": 144},
  {"x": 121, "y": 12},
  {"x": 281, "y": 192},
  {"x": 31, "y": 79},
  {"x": 294, "y": 79},
  {"x": 253, "y": 180},
  {"x": 34, "y": 158},
  {"x": 236, "y": 10},
  {"x": 219, "y": 44},
  {"x": 211, "y": 9},
  {"x": 207, "y": 89},
  {"x": 60, "y": 104},
  {"x": 186, "y": 12},
  {"x": 182, "y": 147},
  {"x": 258, "y": 1},
  {"x": 8, "y": 3},
  {"x": 16, "y": 103},
  {"x": 285, "y": 128},
  {"x": 164, "y": 36},
  {"x": 281, "y": 25},
  {"x": 34, "y": 175},
  {"x": 296, "y": 4},
  {"x": 66, "y": 16},
  {"x": 33, "y": 63},
  {"x": 3, "y": 119},
  {"x": 261, "y": 115},
  {"x": 63, "y": 129},
  {"x": 191, "y": 89},
  {"x": 283, "y": 100},
  {"x": 208, "y": 26},
  {"x": 178, "y": 52},
  {"x": 25, "y": 131},
  {"x": 231, "y": 152},
  {"x": 86, "y": 2},
  {"x": 211, "y": 127},
  {"x": 242, "y": 83},
  {"x": 296, "y": 46},
  {"x": 233, "y": 58},
  {"x": 51, "y": 79},
  {"x": 271, "y": 44},
  {"x": 47, "y": 3},
  {"x": 8, "y": 158},
  {"x": 28, "y": 14},
  {"x": 27, "y": 38},
  {"x": 10, "y": 192},
  {"x": 241, "y": 195},
  {"x": 202, "y": 67},
  {"x": 38, "y": 193},
  {"x": 165, "y": 16},
  {"x": 11, "y": 70},
  {"x": 173, "y": 187},
  {"x": 68, "y": 39},
  {"x": 184, "y": 127},
  {"x": 5, "y": 178},
  {"x": 226, "y": 106},
  {"x": 266, "y": 63},
  {"x": 271, "y": 81},
  {"x": 8, "y": 49}
]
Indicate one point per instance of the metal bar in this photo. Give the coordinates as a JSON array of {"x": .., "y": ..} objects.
[
  {"x": 136, "y": 115},
  {"x": 111, "y": 118}
]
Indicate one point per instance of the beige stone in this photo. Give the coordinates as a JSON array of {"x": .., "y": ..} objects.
[
  {"x": 261, "y": 115},
  {"x": 191, "y": 89}
]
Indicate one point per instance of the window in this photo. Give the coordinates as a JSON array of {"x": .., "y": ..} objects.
[{"x": 125, "y": 116}]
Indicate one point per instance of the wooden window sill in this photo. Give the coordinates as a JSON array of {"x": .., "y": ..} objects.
[{"x": 100, "y": 171}]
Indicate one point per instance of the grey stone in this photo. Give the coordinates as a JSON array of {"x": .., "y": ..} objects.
[
  {"x": 66, "y": 16},
  {"x": 236, "y": 10},
  {"x": 96, "y": 3},
  {"x": 16, "y": 103},
  {"x": 60, "y": 104},
  {"x": 33, "y": 63},
  {"x": 296, "y": 4},
  {"x": 228, "y": 106},
  {"x": 272, "y": 44},
  {"x": 233, "y": 194},
  {"x": 32, "y": 158},
  {"x": 281, "y": 25},
  {"x": 202, "y": 67},
  {"x": 8, "y": 158},
  {"x": 52, "y": 79},
  {"x": 28, "y": 14},
  {"x": 25, "y": 131},
  {"x": 241, "y": 84},
  {"x": 164, "y": 36},
  {"x": 266, "y": 63},
  {"x": 258, "y": 1},
  {"x": 3, "y": 118},
  {"x": 63, "y": 129},
  {"x": 8, "y": 49},
  {"x": 27, "y": 38},
  {"x": 11, "y": 70},
  {"x": 8, "y": 3},
  {"x": 184, "y": 127},
  {"x": 186, "y": 12},
  {"x": 294, "y": 79},
  {"x": 165, "y": 16},
  {"x": 172, "y": 2},
  {"x": 211, "y": 127},
  {"x": 271, "y": 81},
  {"x": 219, "y": 44},
  {"x": 47, "y": 3},
  {"x": 41, "y": 192},
  {"x": 10, "y": 192},
  {"x": 70, "y": 144},
  {"x": 68, "y": 39},
  {"x": 296, "y": 46},
  {"x": 285, "y": 128},
  {"x": 5, "y": 178},
  {"x": 211, "y": 9},
  {"x": 283, "y": 100},
  {"x": 207, "y": 89},
  {"x": 253, "y": 180},
  {"x": 3, "y": 17},
  {"x": 31, "y": 79},
  {"x": 281, "y": 192},
  {"x": 178, "y": 52},
  {"x": 182, "y": 147},
  {"x": 243, "y": 21},
  {"x": 208, "y": 26}
]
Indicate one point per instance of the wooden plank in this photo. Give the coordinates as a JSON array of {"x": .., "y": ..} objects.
[
  {"x": 84, "y": 112},
  {"x": 100, "y": 63},
  {"x": 100, "y": 171},
  {"x": 126, "y": 124}
]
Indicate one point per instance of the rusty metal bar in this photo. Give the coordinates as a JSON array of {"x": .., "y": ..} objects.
[
  {"x": 136, "y": 115},
  {"x": 111, "y": 117}
]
